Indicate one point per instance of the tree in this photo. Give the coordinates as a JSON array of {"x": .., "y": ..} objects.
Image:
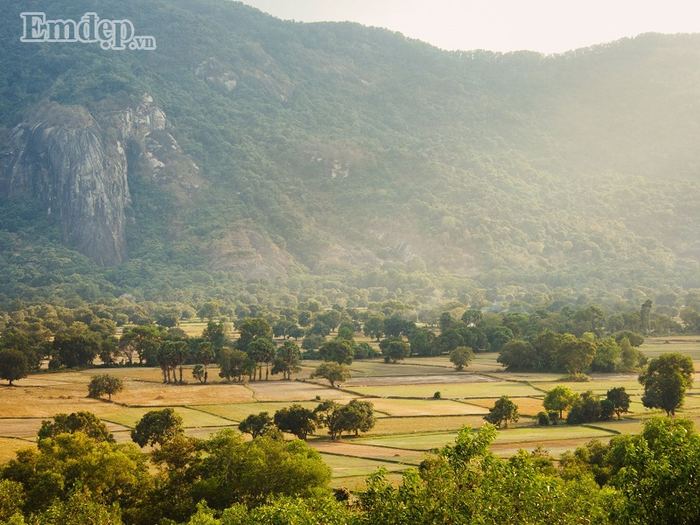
[
  {"x": 558, "y": 399},
  {"x": 157, "y": 426},
  {"x": 586, "y": 408},
  {"x": 630, "y": 357},
  {"x": 257, "y": 424},
  {"x": 644, "y": 314},
  {"x": 518, "y": 355},
  {"x": 143, "y": 340},
  {"x": 85, "y": 422},
  {"x": 261, "y": 351},
  {"x": 503, "y": 410},
  {"x": 448, "y": 341},
  {"x": 446, "y": 321},
  {"x": 620, "y": 400},
  {"x": 633, "y": 338},
  {"x": 174, "y": 354},
  {"x": 422, "y": 342},
  {"x": 345, "y": 332},
  {"x": 76, "y": 349},
  {"x": 374, "y": 327},
  {"x": 287, "y": 360},
  {"x": 296, "y": 420},
  {"x": 575, "y": 355},
  {"x": 655, "y": 472},
  {"x": 607, "y": 356},
  {"x": 215, "y": 333},
  {"x": 234, "y": 471},
  {"x": 251, "y": 329},
  {"x": 665, "y": 381},
  {"x": 112, "y": 473},
  {"x": 394, "y": 350},
  {"x": 13, "y": 365},
  {"x": 356, "y": 416},
  {"x": 338, "y": 350},
  {"x": 235, "y": 364},
  {"x": 205, "y": 355},
  {"x": 102, "y": 384},
  {"x": 498, "y": 336},
  {"x": 461, "y": 357},
  {"x": 331, "y": 319},
  {"x": 209, "y": 311},
  {"x": 472, "y": 317},
  {"x": 333, "y": 372}
]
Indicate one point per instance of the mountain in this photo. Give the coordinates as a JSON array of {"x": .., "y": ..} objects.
[{"x": 248, "y": 158}]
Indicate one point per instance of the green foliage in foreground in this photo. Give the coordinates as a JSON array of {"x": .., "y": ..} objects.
[{"x": 647, "y": 478}]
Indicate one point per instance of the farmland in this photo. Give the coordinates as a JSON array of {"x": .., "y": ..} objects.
[{"x": 411, "y": 421}]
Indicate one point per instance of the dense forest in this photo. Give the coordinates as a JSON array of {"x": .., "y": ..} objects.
[{"x": 355, "y": 165}]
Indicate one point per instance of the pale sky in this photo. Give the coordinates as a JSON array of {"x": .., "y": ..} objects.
[{"x": 547, "y": 26}]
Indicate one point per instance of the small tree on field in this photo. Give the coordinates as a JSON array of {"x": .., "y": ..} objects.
[
  {"x": 257, "y": 424},
  {"x": 620, "y": 400},
  {"x": 157, "y": 426},
  {"x": 296, "y": 420},
  {"x": 665, "y": 381},
  {"x": 394, "y": 350},
  {"x": 102, "y": 384},
  {"x": 333, "y": 372},
  {"x": 503, "y": 410},
  {"x": 461, "y": 356},
  {"x": 558, "y": 399},
  {"x": 357, "y": 416},
  {"x": 13, "y": 365}
]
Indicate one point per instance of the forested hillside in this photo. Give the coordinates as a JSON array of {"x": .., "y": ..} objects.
[{"x": 339, "y": 160}]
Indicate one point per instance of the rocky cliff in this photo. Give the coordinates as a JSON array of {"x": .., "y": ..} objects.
[{"x": 78, "y": 165}]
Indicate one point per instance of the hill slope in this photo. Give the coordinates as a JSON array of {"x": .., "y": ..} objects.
[{"x": 291, "y": 150}]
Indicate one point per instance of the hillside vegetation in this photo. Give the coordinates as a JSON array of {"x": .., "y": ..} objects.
[{"x": 355, "y": 163}]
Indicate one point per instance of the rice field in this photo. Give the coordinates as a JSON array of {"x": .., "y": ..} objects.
[{"x": 411, "y": 421}]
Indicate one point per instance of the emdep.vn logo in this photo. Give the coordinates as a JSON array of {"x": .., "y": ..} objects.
[{"x": 111, "y": 34}]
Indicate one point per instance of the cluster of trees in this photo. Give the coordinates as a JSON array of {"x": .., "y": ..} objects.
[
  {"x": 665, "y": 380},
  {"x": 356, "y": 416},
  {"x": 78, "y": 474},
  {"x": 587, "y": 407},
  {"x": 78, "y": 468},
  {"x": 552, "y": 352}
]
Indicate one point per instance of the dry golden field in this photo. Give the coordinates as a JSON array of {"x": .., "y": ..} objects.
[{"x": 410, "y": 421}]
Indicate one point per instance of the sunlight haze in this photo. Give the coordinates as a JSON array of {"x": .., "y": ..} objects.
[{"x": 547, "y": 26}]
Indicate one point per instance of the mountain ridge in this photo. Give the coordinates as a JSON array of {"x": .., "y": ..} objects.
[{"x": 323, "y": 150}]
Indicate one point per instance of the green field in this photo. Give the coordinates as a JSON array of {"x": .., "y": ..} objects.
[
  {"x": 410, "y": 421},
  {"x": 191, "y": 418},
  {"x": 478, "y": 389}
]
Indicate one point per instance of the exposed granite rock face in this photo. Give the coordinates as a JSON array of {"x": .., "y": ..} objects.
[
  {"x": 78, "y": 164},
  {"x": 61, "y": 156}
]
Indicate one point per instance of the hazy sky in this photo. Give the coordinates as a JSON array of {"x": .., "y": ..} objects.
[{"x": 548, "y": 26}]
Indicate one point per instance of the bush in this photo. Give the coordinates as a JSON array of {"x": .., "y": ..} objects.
[
  {"x": 437, "y": 395},
  {"x": 543, "y": 419}
]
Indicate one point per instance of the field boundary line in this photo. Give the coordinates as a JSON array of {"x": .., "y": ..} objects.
[
  {"x": 596, "y": 427},
  {"x": 394, "y": 461},
  {"x": 225, "y": 418}
]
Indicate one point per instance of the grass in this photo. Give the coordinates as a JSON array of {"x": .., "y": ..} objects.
[
  {"x": 239, "y": 411},
  {"x": 129, "y": 416},
  {"x": 527, "y": 406},
  {"x": 9, "y": 446},
  {"x": 401, "y": 425},
  {"x": 479, "y": 389},
  {"x": 425, "y": 407},
  {"x": 410, "y": 421}
]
